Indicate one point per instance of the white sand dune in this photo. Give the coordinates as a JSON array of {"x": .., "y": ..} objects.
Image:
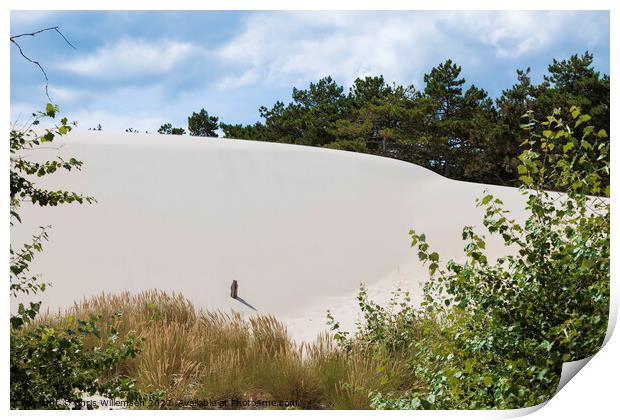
[{"x": 299, "y": 228}]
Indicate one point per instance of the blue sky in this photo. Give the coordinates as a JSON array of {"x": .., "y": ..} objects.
[{"x": 141, "y": 69}]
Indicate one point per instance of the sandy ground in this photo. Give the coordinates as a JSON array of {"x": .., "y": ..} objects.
[{"x": 299, "y": 228}]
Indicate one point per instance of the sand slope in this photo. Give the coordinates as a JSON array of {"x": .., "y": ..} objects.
[{"x": 299, "y": 228}]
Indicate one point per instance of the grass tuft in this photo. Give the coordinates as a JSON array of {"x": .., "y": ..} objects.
[{"x": 216, "y": 356}]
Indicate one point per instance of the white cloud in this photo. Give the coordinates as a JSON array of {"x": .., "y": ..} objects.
[
  {"x": 280, "y": 48},
  {"x": 67, "y": 95},
  {"x": 248, "y": 77},
  {"x": 130, "y": 58},
  {"x": 516, "y": 33}
]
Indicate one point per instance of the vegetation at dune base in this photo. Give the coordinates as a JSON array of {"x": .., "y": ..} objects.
[
  {"x": 489, "y": 334},
  {"x": 195, "y": 356}
]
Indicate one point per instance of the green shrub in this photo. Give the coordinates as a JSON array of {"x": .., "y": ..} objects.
[
  {"x": 494, "y": 334},
  {"x": 52, "y": 368}
]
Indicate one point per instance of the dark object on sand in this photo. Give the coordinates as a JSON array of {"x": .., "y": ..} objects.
[{"x": 233, "y": 289}]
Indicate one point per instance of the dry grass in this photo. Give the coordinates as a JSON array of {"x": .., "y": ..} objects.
[{"x": 215, "y": 356}]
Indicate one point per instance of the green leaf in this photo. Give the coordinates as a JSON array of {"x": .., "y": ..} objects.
[
  {"x": 487, "y": 198},
  {"x": 50, "y": 110},
  {"x": 582, "y": 119},
  {"x": 16, "y": 322},
  {"x": 526, "y": 180},
  {"x": 432, "y": 268}
]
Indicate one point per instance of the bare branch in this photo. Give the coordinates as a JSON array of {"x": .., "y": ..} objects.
[
  {"x": 38, "y": 65},
  {"x": 53, "y": 28},
  {"x": 35, "y": 62}
]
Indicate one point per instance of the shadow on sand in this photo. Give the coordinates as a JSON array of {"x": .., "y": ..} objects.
[{"x": 245, "y": 303}]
